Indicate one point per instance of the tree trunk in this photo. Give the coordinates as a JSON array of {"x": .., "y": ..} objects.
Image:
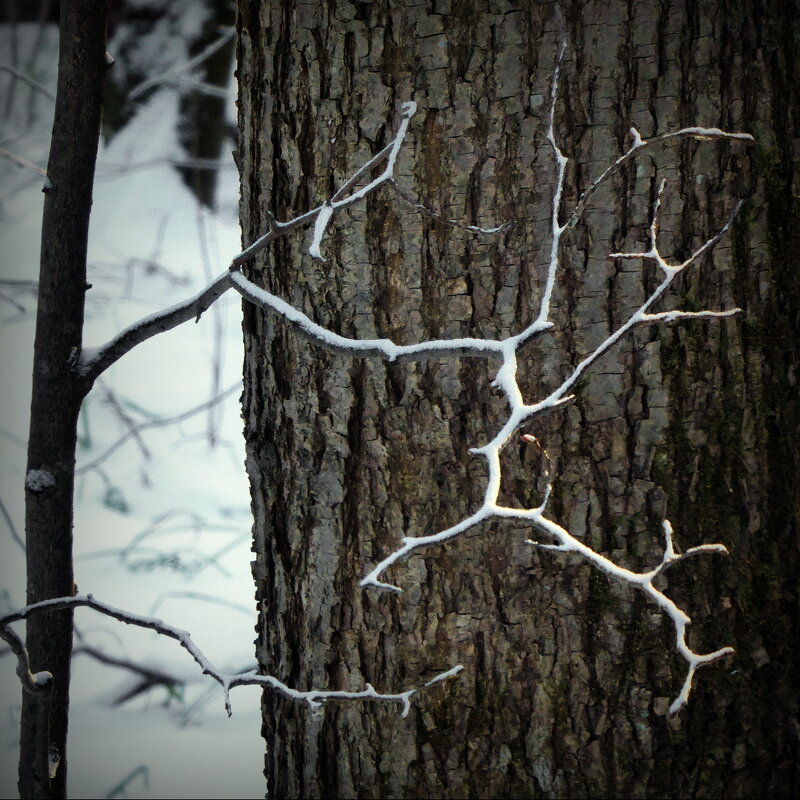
[
  {"x": 57, "y": 390},
  {"x": 568, "y": 675}
]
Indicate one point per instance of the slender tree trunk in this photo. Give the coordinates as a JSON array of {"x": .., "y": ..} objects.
[
  {"x": 57, "y": 390},
  {"x": 568, "y": 676}
]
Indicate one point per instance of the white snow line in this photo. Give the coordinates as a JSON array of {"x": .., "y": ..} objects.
[
  {"x": 385, "y": 348},
  {"x": 313, "y": 697}
]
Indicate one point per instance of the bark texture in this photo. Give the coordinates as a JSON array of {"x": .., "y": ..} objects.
[
  {"x": 57, "y": 391},
  {"x": 567, "y": 674}
]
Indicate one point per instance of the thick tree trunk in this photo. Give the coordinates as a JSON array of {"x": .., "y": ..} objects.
[
  {"x": 57, "y": 390},
  {"x": 567, "y": 675}
]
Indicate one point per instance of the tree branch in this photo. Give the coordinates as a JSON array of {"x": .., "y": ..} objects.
[
  {"x": 519, "y": 412},
  {"x": 314, "y": 698},
  {"x": 638, "y": 144},
  {"x": 93, "y": 361},
  {"x": 25, "y": 78},
  {"x": 135, "y": 430},
  {"x": 382, "y": 348}
]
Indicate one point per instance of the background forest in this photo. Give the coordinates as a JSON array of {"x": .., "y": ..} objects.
[{"x": 162, "y": 500}]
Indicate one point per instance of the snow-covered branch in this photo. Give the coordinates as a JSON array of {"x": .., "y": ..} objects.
[
  {"x": 343, "y": 197},
  {"x": 567, "y": 543},
  {"x": 314, "y": 698},
  {"x": 91, "y": 362},
  {"x": 40, "y": 684},
  {"x": 382, "y": 348},
  {"x": 638, "y": 144},
  {"x": 37, "y": 683},
  {"x": 519, "y": 412}
]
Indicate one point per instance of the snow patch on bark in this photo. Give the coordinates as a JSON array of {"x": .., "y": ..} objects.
[{"x": 37, "y": 480}]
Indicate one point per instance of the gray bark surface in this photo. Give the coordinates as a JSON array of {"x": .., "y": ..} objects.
[{"x": 568, "y": 675}]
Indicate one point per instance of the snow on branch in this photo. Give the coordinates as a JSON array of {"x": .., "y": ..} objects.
[
  {"x": 93, "y": 361},
  {"x": 38, "y": 683},
  {"x": 335, "y": 343},
  {"x": 341, "y": 198},
  {"x": 519, "y": 412},
  {"x": 314, "y": 698},
  {"x": 566, "y": 543},
  {"x": 637, "y": 144}
]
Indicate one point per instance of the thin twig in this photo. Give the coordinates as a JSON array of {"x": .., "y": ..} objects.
[
  {"x": 450, "y": 223},
  {"x": 314, "y": 698},
  {"x": 136, "y": 429},
  {"x": 27, "y": 79},
  {"x": 23, "y": 162},
  {"x": 12, "y": 528},
  {"x": 173, "y": 74}
]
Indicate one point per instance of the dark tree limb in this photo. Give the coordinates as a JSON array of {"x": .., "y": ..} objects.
[{"x": 57, "y": 389}]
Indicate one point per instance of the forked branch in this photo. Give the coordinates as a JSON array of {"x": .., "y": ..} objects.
[
  {"x": 519, "y": 412},
  {"x": 314, "y": 698},
  {"x": 92, "y": 362}
]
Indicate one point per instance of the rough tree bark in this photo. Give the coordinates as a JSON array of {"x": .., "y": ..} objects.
[
  {"x": 57, "y": 390},
  {"x": 568, "y": 676}
]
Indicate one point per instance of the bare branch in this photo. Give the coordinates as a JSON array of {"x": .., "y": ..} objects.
[
  {"x": 12, "y": 528},
  {"x": 18, "y": 306},
  {"x": 148, "y": 677},
  {"x": 451, "y": 223},
  {"x": 372, "y": 164},
  {"x": 416, "y": 542},
  {"x": 276, "y": 230},
  {"x": 520, "y": 412},
  {"x": 671, "y": 316},
  {"x": 23, "y": 162},
  {"x": 27, "y": 79},
  {"x": 137, "y": 429},
  {"x": 314, "y": 698},
  {"x": 94, "y": 361},
  {"x": 39, "y": 684},
  {"x": 174, "y": 75}
]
